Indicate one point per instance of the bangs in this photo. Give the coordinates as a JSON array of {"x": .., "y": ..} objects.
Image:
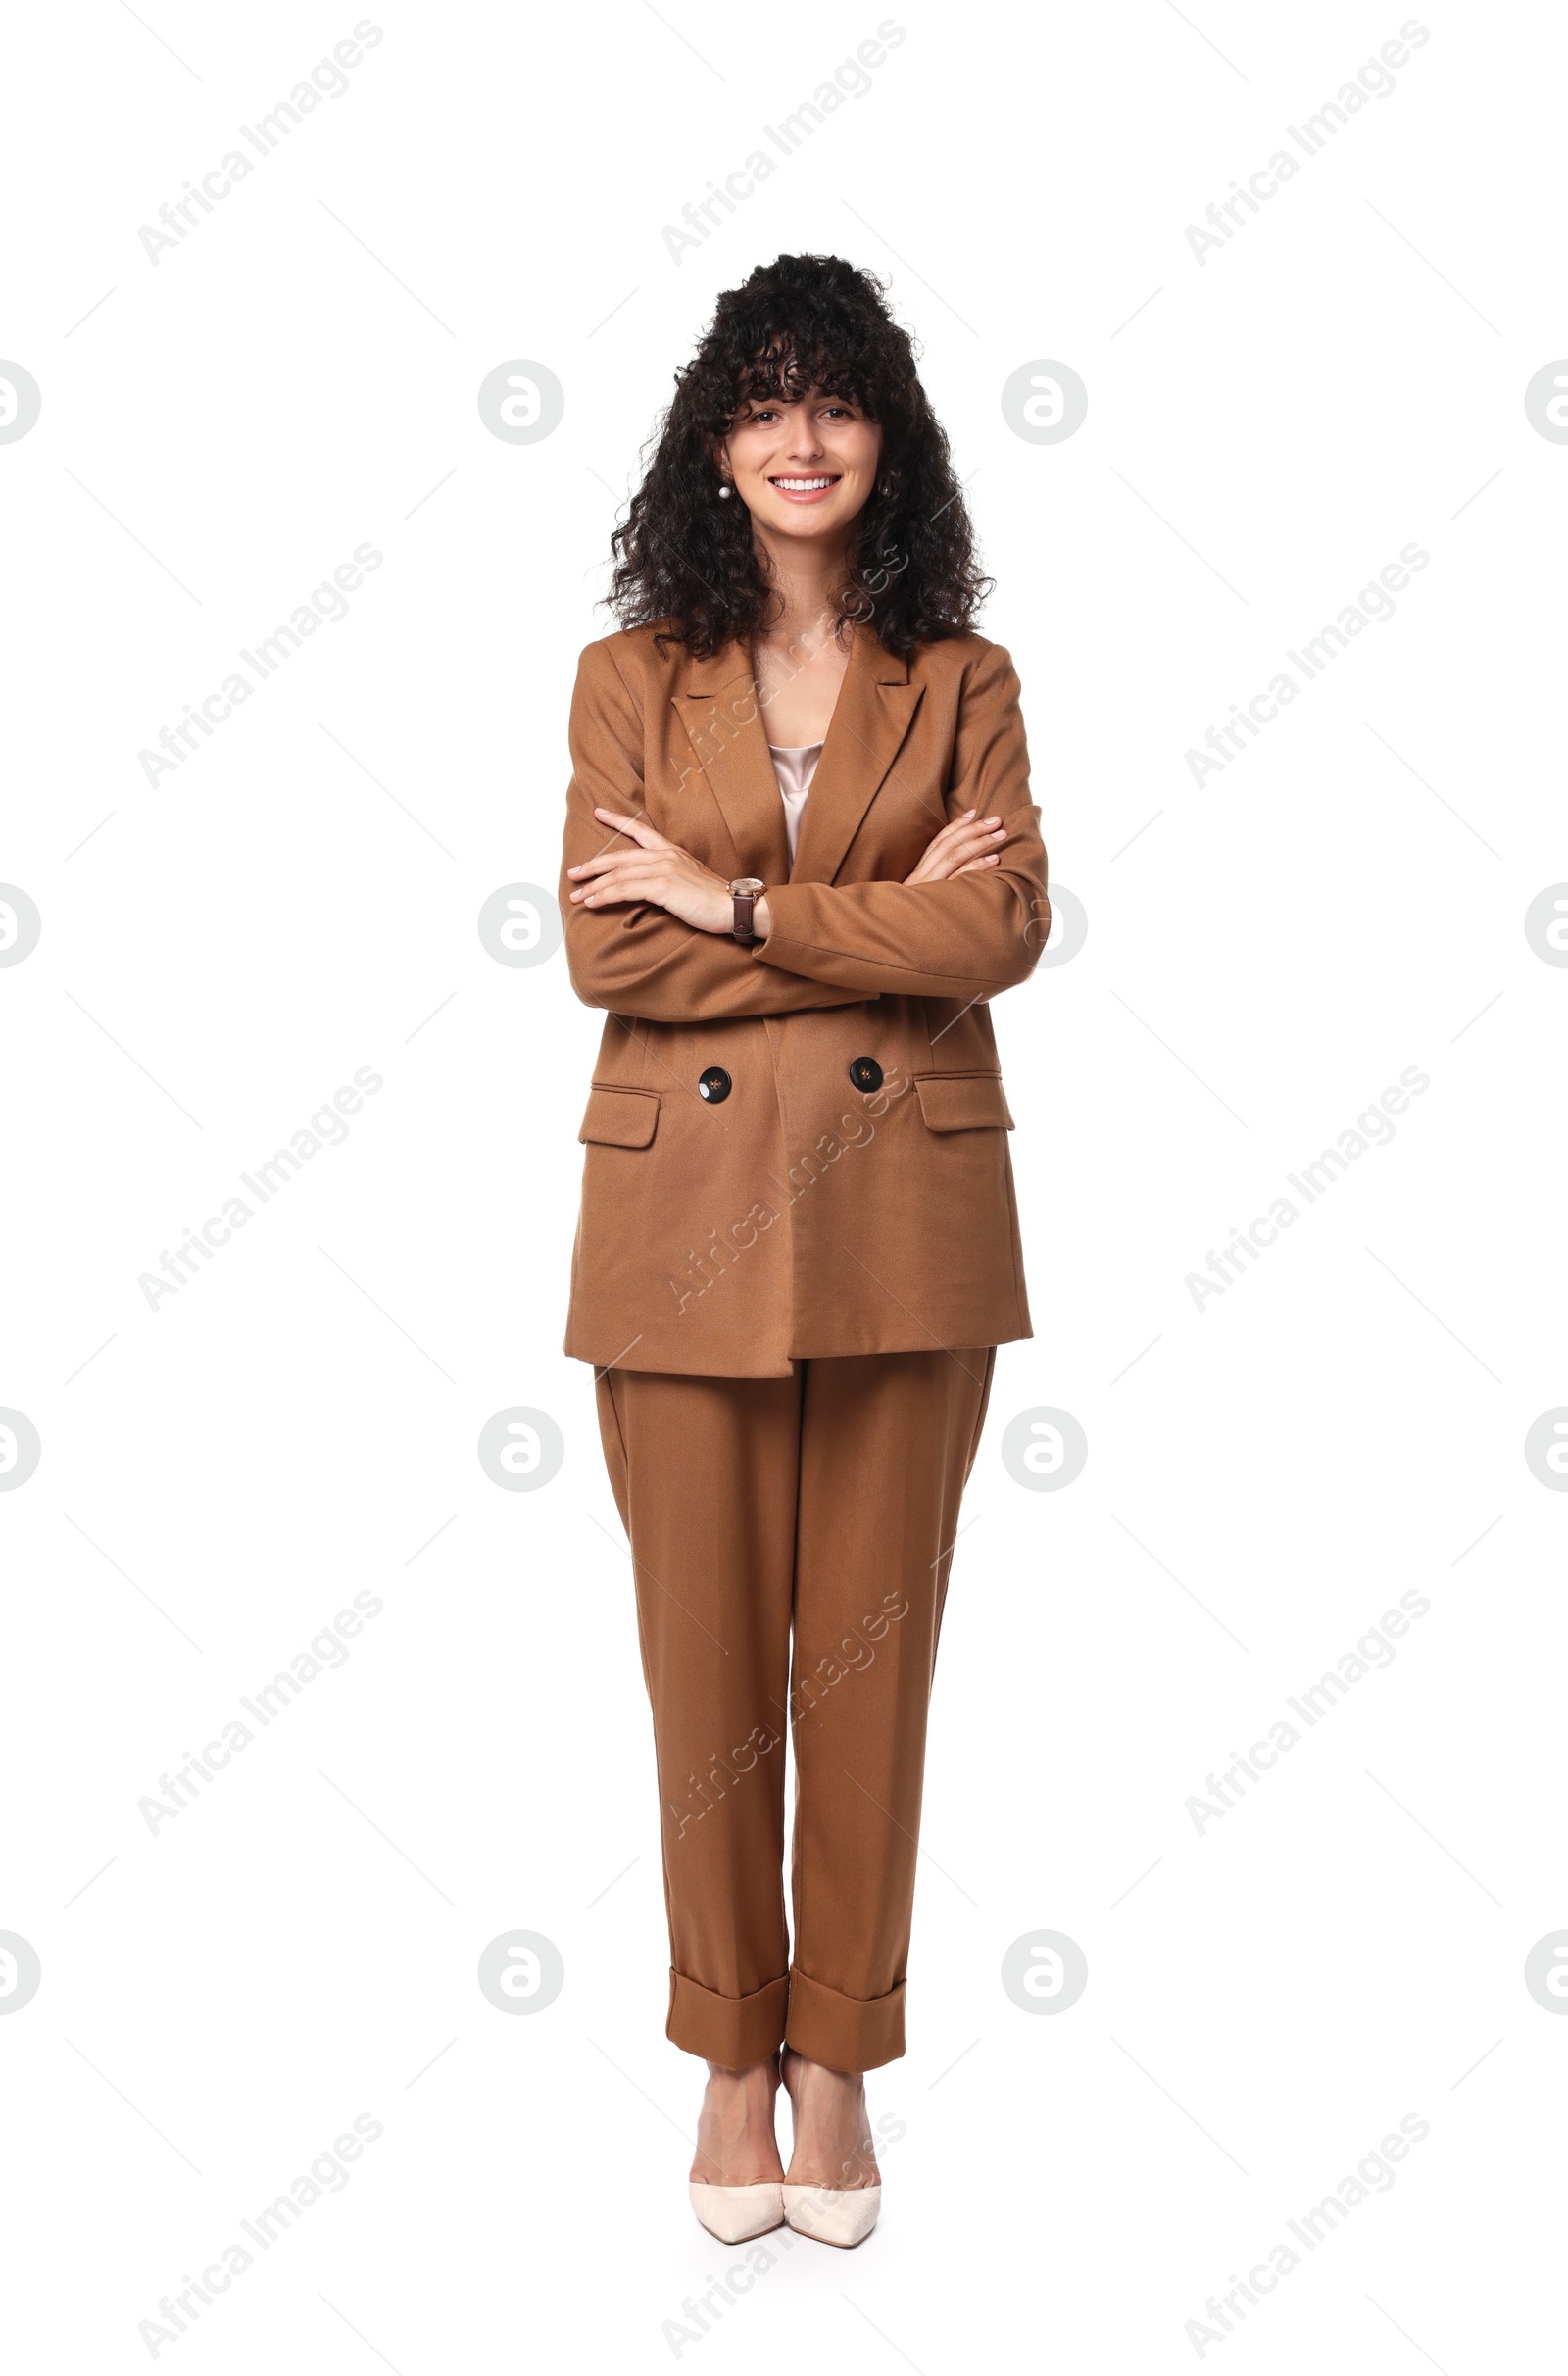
[{"x": 785, "y": 368}]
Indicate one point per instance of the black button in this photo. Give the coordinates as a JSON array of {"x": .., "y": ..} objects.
[
  {"x": 715, "y": 1084},
  {"x": 866, "y": 1073}
]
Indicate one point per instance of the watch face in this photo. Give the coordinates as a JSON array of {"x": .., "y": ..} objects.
[{"x": 748, "y": 883}]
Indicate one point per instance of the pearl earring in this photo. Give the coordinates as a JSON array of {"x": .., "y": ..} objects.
[{"x": 723, "y": 490}]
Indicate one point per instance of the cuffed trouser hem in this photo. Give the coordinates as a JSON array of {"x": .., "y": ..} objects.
[
  {"x": 733, "y": 2031},
  {"x": 846, "y": 2033}
]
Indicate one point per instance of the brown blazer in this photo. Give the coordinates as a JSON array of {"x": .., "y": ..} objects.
[{"x": 800, "y": 1213}]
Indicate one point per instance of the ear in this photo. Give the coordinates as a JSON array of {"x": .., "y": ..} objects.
[{"x": 716, "y": 450}]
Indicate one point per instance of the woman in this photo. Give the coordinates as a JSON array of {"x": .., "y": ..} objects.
[{"x": 800, "y": 859}]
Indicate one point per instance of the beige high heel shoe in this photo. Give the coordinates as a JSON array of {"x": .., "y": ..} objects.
[
  {"x": 736, "y": 2213},
  {"x": 834, "y": 2214}
]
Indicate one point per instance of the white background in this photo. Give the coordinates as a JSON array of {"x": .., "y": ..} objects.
[{"x": 219, "y": 952}]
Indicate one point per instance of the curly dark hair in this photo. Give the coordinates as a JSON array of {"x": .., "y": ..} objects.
[{"x": 685, "y": 558}]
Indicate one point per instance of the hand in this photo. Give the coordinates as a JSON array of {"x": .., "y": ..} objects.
[
  {"x": 966, "y": 846},
  {"x": 655, "y": 871}
]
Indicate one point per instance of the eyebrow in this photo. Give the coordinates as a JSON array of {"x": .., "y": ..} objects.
[{"x": 813, "y": 395}]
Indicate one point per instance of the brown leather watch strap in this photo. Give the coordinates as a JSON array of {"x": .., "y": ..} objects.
[{"x": 746, "y": 890}]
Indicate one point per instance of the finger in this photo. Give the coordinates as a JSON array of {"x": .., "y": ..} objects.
[
  {"x": 604, "y": 861},
  {"x": 941, "y": 863},
  {"x": 944, "y": 833},
  {"x": 966, "y": 837},
  {"x": 962, "y": 862},
  {"x": 607, "y": 894},
  {"x": 626, "y": 883},
  {"x": 971, "y": 821},
  {"x": 953, "y": 826},
  {"x": 637, "y": 829}
]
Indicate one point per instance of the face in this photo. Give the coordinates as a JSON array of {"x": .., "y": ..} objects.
[{"x": 803, "y": 469}]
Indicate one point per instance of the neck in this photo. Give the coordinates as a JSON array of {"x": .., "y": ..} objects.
[{"x": 807, "y": 580}]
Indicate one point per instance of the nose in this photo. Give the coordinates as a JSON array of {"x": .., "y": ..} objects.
[{"x": 804, "y": 442}]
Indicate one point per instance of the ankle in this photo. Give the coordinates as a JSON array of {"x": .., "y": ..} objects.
[
  {"x": 735, "y": 2142},
  {"x": 753, "y": 2077},
  {"x": 794, "y": 2064}
]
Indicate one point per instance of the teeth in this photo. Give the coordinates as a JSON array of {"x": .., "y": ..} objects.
[{"x": 803, "y": 486}]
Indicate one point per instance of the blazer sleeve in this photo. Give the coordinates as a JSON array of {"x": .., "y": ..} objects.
[
  {"x": 640, "y": 961},
  {"x": 966, "y": 938}
]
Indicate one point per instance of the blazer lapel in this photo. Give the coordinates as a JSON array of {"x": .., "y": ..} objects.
[
  {"x": 875, "y": 706},
  {"x": 724, "y": 724},
  {"x": 718, "y": 709}
]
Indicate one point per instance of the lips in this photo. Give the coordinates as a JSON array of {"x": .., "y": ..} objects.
[{"x": 801, "y": 487}]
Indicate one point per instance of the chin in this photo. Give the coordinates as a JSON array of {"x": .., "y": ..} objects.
[{"x": 807, "y": 519}]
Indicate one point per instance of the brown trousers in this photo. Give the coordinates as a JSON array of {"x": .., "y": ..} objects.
[{"x": 829, "y": 1500}]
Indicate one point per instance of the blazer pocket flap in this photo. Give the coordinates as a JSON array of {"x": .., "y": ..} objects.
[
  {"x": 619, "y": 1117},
  {"x": 963, "y": 1101}
]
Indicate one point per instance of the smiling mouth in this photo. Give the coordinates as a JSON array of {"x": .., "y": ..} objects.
[{"x": 806, "y": 490}]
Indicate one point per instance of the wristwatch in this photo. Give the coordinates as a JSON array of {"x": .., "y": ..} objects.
[{"x": 745, "y": 891}]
